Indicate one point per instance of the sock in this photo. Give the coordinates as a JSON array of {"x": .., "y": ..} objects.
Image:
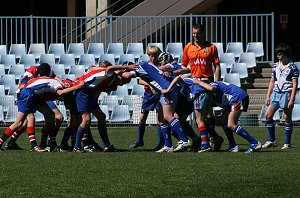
[
  {"x": 189, "y": 131},
  {"x": 85, "y": 139},
  {"x": 243, "y": 133},
  {"x": 79, "y": 135},
  {"x": 7, "y": 133},
  {"x": 160, "y": 136},
  {"x": 211, "y": 131},
  {"x": 16, "y": 135},
  {"x": 175, "y": 126},
  {"x": 203, "y": 136},
  {"x": 52, "y": 135},
  {"x": 229, "y": 135},
  {"x": 73, "y": 137},
  {"x": 103, "y": 134},
  {"x": 141, "y": 132},
  {"x": 44, "y": 137},
  {"x": 166, "y": 133},
  {"x": 31, "y": 136},
  {"x": 288, "y": 133},
  {"x": 66, "y": 136},
  {"x": 271, "y": 129}
]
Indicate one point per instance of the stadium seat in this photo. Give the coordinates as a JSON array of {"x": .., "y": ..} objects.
[
  {"x": 110, "y": 101},
  {"x": 228, "y": 59},
  {"x": 3, "y": 50},
  {"x": 107, "y": 57},
  {"x": 77, "y": 49},
  {"x": 11, "y": 114},
  {"x": 144, "y": 57},
  {"x": 296, "y": 113},
  {"x": 57, "y": 49},
  {"x": 2, "y": 70},
  {"x": 18, "y": 70},
  {"x": 13, "y": 90},
  {"x": 68, "y": 76},
  {"x": 37, "y": 49},
  {"x": 104, "y": 109},
  {"x": 59, "y": 69},
  {"x": 47, "y": 58},
  {"x": 120, "y": 113},
  {"x": 18, "y": 50},
  {"x": 220, "y": 47},
  {"x": 115, "y": 48},
  {"x": 248, "y": 58},
  {"x": 87, "y": 60},
  {"x": 7, "y": 101},
  {"x": 1, "y": 114},
  {"x": 97, "y": 49},
  {"x": 8, "y": 80},
  {"x": 160, "y": 45},
  {"x": 223, "y": 70},
  {"x": 257, "y": 48},
  {"x": 138, "y": 90},
  {"x": 120, "y": 92},
  {"x": 126, "y": 58},
  {"x": 235, "y": 47},
  {"x": 129, "y": 100},
  {"x": 39, "y": 117},
  {"x": 8, "y": 60},
  {"x": 135, "y": 48},
  {"x": 77, "y": 70},
  {"x": 233, "y": 78},
  {"x": 240, "y": 68},
  {"x": 68, "y": 60},
  {"x": 132, "y": 82},
  {"x": 27, "y": 60},
  {"x": 2, "y": 90},
  {"x": 175, "y": 49}
]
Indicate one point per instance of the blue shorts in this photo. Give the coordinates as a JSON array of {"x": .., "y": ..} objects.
[
  {"x": 240, "y": 105},
  {"x": 280, "y": 100},
  {"x": 203, "y": 101},
  {"x": 28, "y": 101},
  {"x": 150, "y": 102},
  {"x": 85, "y": 100},
  {"x": 51, "y": 104},
  {"x": 169, "y": 98}
]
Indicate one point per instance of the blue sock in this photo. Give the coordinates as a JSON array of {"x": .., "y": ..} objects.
[
  {"x": 204, "y": 138},
  {"x": 79, "y": 135},
  {"x": 103, "y": 134},
  {"x": 288, "y": 133},
  {"x": 160, "y": 136},
  {"x": 271, "y": 129},
  {"x": 243, "y": 133},
  {"x": 66, "y": 136},
  {"x": 167, "y": 136},
  {"x": 141, "y": 132},
  {"x": 175, "y": 126},
  {"x": 229, "y": 135}
]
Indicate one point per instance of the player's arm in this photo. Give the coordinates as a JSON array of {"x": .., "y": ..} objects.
[
  {"x": 69, "y": 89},
  {"x": 205, "y": 85},
  {"x": 293, "y": 93},
  {"x": 174, "y": 81},
  {"x": 217, "y": 71},
  {"x": 270, "y": 90}
]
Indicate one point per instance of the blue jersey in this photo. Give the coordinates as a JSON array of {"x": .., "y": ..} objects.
[
  {"x": 283, "y": 77},
  {"x": 153, "y": 76},
  {"x": 190, "y": 90},
  {"x": 228, "y": 94}
]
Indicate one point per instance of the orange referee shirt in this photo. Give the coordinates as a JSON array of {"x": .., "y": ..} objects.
[{"x": 200, "y": 59}]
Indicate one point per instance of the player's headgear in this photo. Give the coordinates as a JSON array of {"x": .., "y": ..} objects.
[{"x": 165, "y": 58}]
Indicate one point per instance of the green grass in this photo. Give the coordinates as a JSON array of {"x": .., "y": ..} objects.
[{"x": 141, "y": 173}]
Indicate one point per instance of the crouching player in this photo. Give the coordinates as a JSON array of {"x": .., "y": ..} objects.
[
  {"x": 234, "y": 101},
  {"x": 35, "y": 93}
]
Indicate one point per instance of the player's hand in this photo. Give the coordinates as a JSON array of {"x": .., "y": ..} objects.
[
  {"x": 163, "y": 91},
  {"x": 290, "y": 104},
  {"x": 267, "y": 102},
  {"x": 166, "y": 74},
  {"x": 131, "y": 67}
]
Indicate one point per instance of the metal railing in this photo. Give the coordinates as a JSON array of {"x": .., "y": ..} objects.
[{"x": 145, "y": 29}]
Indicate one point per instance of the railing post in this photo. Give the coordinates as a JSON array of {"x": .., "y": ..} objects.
[
  {"x": 31, "y": 29},
  {"x": 191, "y": 26},
  {"x": 110, "y": 28}
]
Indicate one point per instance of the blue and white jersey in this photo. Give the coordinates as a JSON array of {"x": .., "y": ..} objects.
[
  {"x": 283, "y": 77},
  {"x": 189, "y": 89},
  {"x": 228, "y": 94},
  {"x": 153, "y": 76}
]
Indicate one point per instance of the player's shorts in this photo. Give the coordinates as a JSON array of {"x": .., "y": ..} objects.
[
  {"x": 204, "y": 101},
  {"x": 169, "y": 98},
  {"x": 150, "y": 102},
  {"x": 51, "y": 104},
  {"x": 241, "y": 105},
  {"x": 280, "y": 100},
  {"x": 85, "y": 100},
  {"x": 28, "y": 101}
]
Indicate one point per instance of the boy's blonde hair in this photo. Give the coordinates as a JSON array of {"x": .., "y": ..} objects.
[{"x": 153, "y": 51}]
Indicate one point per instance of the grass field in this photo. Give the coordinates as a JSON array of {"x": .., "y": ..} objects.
[{"x": 141, "y": 173}]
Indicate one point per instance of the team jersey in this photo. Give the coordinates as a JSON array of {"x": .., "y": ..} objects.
[
  {"x": 91, "y": 75},
  {"x": 153, "y": 76},
  {"x": 283, "y": 77},
  {"x": 189, "y": 89},
  {"x": 44, "y": 87},
  {"x": 200, "y": 59},
  {"x": 31, "y": 72},
  {"x": 228, "y": 94}
]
